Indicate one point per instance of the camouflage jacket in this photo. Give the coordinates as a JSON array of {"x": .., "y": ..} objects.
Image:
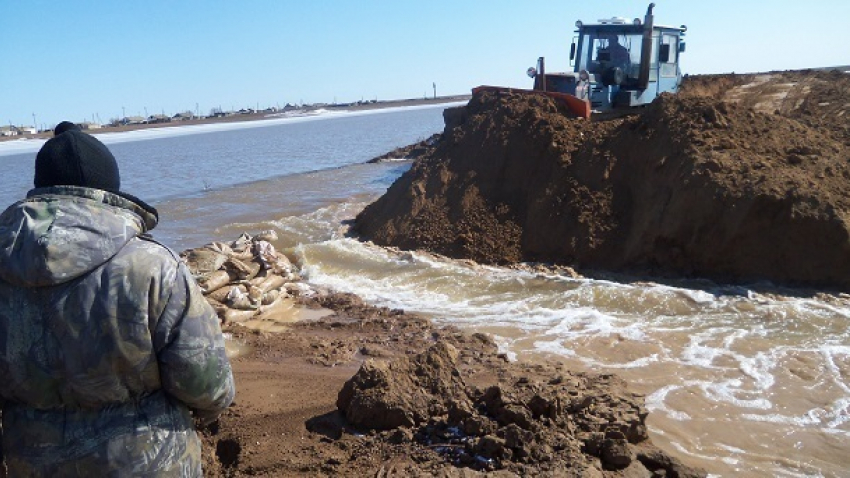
[{"x": 106, "y": 343}]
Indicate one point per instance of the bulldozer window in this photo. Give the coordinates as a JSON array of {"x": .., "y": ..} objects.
[
  {"x": 668, "y": 55},
  {"x": 664, "y": 55},
  {"x": 601, "y": 51}
]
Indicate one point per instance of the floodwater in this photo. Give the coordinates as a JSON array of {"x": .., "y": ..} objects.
[{"x": 744, "y": 381}]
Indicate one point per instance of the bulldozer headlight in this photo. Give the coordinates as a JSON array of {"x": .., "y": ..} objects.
[
  {"x": 531, "y": 72},
  {"x": 579, "y": 24}
]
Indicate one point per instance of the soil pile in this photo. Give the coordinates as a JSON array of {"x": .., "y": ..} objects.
[
  {"x": 816, "y": 98},
  {"x": 572, "y": 424},
  {"x": 694, "y": 186}
]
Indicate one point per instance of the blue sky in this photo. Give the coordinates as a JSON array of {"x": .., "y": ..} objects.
[{"x": 84, "y": 59}]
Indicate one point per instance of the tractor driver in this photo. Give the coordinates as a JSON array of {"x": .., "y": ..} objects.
[{"x": 618, "y": 55}]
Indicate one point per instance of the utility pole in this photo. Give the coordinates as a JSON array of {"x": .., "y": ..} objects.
[
  {"x": 435, "y": 89},
  {"x": 146, "y": 112},
  {"x": 123, "y": 113},
  {"x": 34, "y": 123}
]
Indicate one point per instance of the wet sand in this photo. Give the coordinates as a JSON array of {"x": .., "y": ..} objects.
[{"x": 285, "y": 421}]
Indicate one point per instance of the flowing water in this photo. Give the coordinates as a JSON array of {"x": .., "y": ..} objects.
[{"x": 744, "y": 381}]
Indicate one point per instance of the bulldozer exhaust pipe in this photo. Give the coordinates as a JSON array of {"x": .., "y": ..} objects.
[
  {"x": 541, "y": 74},
  {"x": 646, "y": 48}
]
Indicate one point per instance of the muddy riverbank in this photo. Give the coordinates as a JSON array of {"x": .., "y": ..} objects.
[{"x": 424, "y": 401}]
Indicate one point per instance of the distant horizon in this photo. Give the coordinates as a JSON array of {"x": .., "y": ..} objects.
[
  {"x": 84, "y": 60},
  {"x": 845, "y": 68},
  {"x": 28, "y": 145},
  {"x": 278, "y": 110}
]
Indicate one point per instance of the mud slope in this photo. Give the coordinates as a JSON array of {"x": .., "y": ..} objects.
[{"x": 694, "y": 186}]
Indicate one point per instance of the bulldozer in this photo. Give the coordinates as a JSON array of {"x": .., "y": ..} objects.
[{"x": 617, "y": 66}]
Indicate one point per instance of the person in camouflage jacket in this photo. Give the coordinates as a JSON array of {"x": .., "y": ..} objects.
[{"x": 108, "y": 350}]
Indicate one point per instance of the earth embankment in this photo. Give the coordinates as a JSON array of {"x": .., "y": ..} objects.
[{"x": 701, "y": 184}]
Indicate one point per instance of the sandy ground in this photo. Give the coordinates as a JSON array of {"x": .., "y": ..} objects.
[{"x": 286, "y": 420}]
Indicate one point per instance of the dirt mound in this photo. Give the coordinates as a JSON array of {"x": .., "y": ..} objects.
[
  {"x": 816, "y": 98},
  {"x": 573, "y": 423},
  {"x": 410, "y": 152},
  {"x": 402, "y": 393},
  {"x": 693, "y": 186}
]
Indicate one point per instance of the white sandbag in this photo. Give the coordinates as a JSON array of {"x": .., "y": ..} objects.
[
  {"x": 271, "y": 296},
  {"x": 237, "y": 299},
  {"x": 271, "y": 282},
  {"x": 232, "y": 316},
  {"x": 214, "y": 281},
  {"x": 255, "y": 295},
  {"x": 268, "y": 235},
  {"x": 222, "y": 293},
  {"x": 299, "y": 289}
]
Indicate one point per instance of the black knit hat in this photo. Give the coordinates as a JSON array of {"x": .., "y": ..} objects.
[{"x": 73, "y": 158}]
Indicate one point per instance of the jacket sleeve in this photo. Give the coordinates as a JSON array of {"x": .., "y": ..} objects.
[{"x": 193, "y": 365}]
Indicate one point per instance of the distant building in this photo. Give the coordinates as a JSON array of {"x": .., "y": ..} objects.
[
  {"x": 86, "y": 125},
  {"x": 26, "y": 129},
  {"x": 154, "y": 119},
  {"x": 8, "y": 131},
  {"x": 186, "y": 115},
  {"x": 132, "y": 120}
]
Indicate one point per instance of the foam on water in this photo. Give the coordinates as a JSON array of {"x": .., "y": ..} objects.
[{"x": 747, "y": 357}]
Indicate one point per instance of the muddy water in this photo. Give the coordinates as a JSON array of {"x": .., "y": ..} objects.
[
  {"x": 741, "y": 382},
  {"x": 744, "y": 381}
]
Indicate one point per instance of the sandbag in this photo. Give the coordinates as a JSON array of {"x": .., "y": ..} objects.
[
  {"x": 255, "y": 295},
  {"x": 214, "y": 281},
  {"x": 219, "y": 308},
  {"x": 268, "y": 235},
  {"x": 220, "y": 247},
  {"x": 221, "y": 294},
  {"x": 271, "y": 296},
  {"x": 299, "y": 289},
  {"x": 241, "y": 244},
  {"x": 203, "y": 261},
  {"x": 235, "y": 315},
  {"x": 237, "y": 299},
  {"x": 241, "y": 269},
  {"x": 271, "y": 282}
]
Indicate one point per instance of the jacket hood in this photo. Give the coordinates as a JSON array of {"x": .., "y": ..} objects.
[{"x": 60, "y": 233}]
